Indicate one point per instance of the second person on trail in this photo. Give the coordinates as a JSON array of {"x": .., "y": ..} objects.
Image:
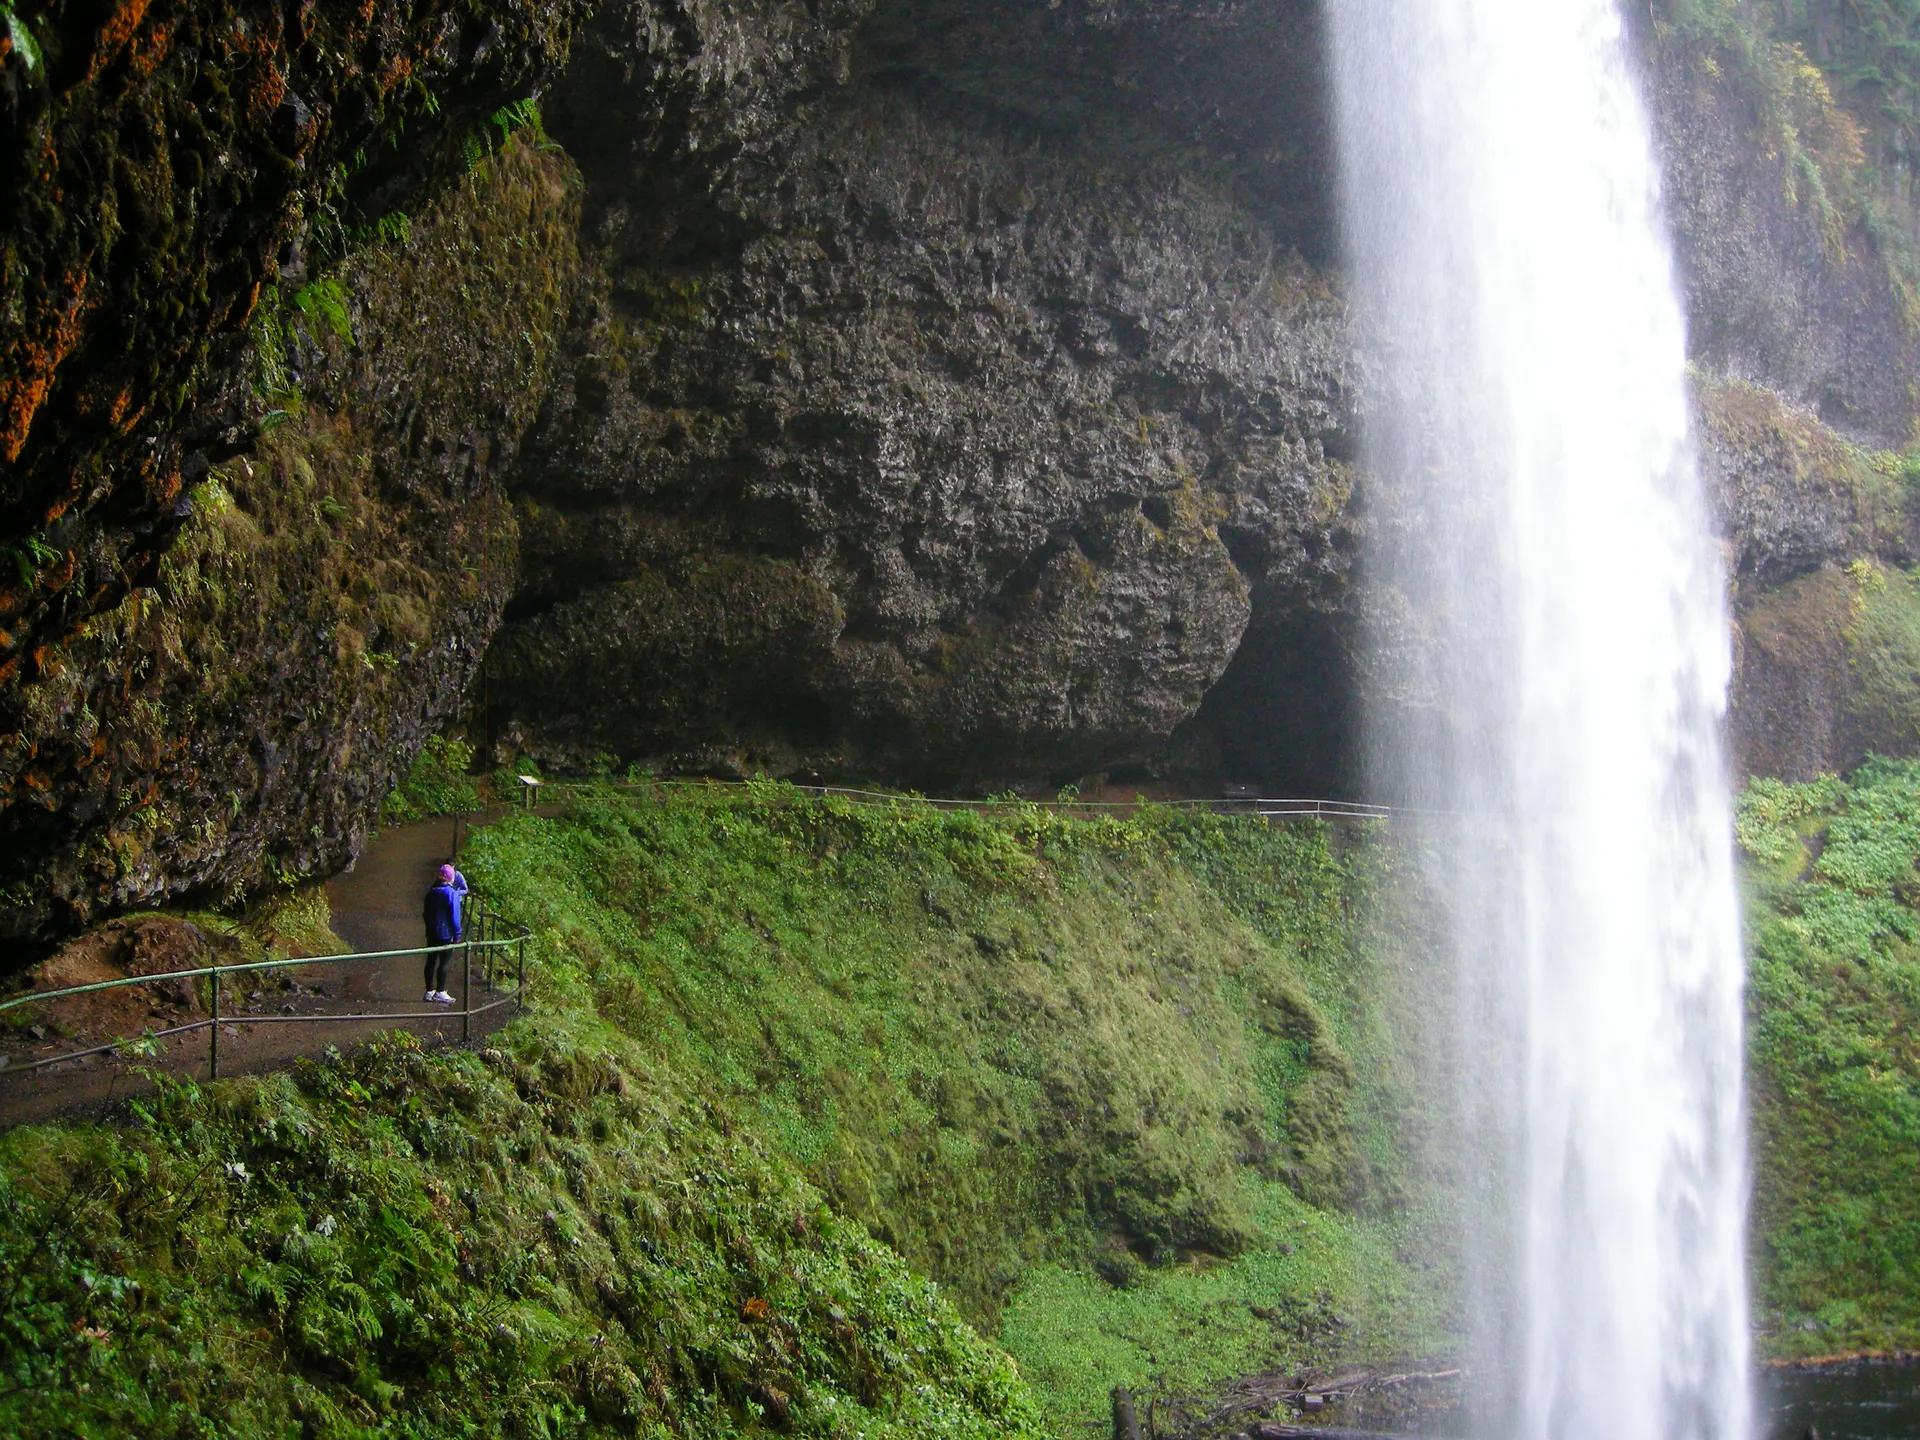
[{"x": 445, "y": 928}]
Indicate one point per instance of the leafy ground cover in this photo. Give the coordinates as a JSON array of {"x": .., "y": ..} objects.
[
  {"x": 1835, "y": 1059},
  {"x": 437, "y": 783},
  {"x": 548, "y": 1238},
  {"x": 812, "y": 1098},
  {"x": 1092, "y": 1075}
]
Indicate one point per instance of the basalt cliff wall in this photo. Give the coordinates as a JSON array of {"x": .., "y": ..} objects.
[
  {"x": 1794, "y": 224},
  {"x": 944, "y": 402},
  {"x": 948, "y": 394}
]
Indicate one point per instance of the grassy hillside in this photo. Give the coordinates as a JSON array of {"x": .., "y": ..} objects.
[
  {"x": 1835, "y": 997},
  {"x": 1115, "y": 1087},
  {"x": 549, "y": 1238}
]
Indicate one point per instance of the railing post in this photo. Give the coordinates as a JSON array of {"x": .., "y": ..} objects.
[
  {"x": 466, "y": 988},
  {"x": 213, "y": 1029}
]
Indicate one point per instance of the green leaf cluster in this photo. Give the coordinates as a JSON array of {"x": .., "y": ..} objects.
[
  {"x": 436, "y": 784},
  {"x": 20, "y": 37},
  {"x": 324, "y": 302}
]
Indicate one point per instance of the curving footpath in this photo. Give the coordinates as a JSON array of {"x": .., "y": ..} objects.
[{"x": 376, "y": 907}]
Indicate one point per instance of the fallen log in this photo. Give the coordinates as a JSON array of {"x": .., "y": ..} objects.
[{"x": 1126, "y": 1426}]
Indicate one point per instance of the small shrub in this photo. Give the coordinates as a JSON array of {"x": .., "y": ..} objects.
[{"x": 438, "y": 783}]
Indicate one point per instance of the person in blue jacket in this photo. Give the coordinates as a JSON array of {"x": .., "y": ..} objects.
[{"x": 445, "y": 927}]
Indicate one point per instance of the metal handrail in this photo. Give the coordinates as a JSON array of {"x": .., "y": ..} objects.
[
  {"x": 1235, "y": 804},
  {"x": 1262, "y": 807},
  {"x": 481, "y": 920}
]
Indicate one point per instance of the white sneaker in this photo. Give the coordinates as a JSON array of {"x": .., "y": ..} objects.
[
  {"x": 432, "y": 997},
  {"x": 444, "y": 998}
]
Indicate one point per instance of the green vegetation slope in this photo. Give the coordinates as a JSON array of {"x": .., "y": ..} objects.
[
  {"x": 1835, "y": 1062},
  {"x": 812, "y": 1097}
]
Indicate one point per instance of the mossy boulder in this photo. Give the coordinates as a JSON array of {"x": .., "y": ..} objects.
[
  {"x": 160, "y": 163},
  {"x": 1829, "y": 671},
  {"x": 329, "y": 594}
]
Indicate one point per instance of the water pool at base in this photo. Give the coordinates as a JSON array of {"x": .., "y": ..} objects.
[{"x": 1861, "y": 1400}]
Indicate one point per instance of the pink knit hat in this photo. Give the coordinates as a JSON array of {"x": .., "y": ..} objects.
[{"x": 446, "y": 872}]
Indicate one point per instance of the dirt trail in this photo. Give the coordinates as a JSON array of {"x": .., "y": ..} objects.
[{"x": 376, "y": 906}]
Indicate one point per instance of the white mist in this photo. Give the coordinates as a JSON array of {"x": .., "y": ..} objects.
[{"x": 1550, "y": 625}]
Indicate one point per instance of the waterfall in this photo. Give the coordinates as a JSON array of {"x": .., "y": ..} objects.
[{"x": 1549, "y": 654}]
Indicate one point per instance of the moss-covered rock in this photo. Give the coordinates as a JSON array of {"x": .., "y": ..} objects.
[
  {"x": 1821, "y": 532},
  {"x": 1829, "y": 671},
  {"x": 1794, "y": 241},
  {"x": 160, "y": 161},
  {"x": 329, "y": 594}
]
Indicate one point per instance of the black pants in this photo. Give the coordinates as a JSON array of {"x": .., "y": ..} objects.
[{"x": 437, "y": 962}]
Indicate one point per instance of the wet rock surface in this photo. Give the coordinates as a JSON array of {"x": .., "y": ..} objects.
[
  {"x": 956, "y": 394},
  {"x": 328, "y": 597},
  {"x": 160, "y": 163},
  {"x": 1782, "y": 287},
  {"x": 169, "y": 170},
  {"x": 1806, "y": 354},
  {"x": 907, "y": 435}
]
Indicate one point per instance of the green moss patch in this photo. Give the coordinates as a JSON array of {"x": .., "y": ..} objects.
[
  {"x": 438, "y": 783},
  {"x": 1835, "y": 999},
  {"x": 791, "y": 1063},
  {"x": 1047, "y": 1060},
  {"x": 550, "y": 1238}
]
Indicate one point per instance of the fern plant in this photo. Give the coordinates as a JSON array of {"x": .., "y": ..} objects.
[
  {"x": 324, "y": 302},
  {"x": 508, "y": 120},
  {"x": 20, "y": 36}
]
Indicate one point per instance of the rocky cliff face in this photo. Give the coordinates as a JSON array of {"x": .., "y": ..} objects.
[
  {"x": 1806, "y": 352},
  {"x": 183, "y": 702},
  {"x": 901, "y": 432},
  {"x": 328, "y": 593},
  {"x": 948, "y": 393},
  {"x": 873, "y": 424},
  {"x": 915, "y": 440}
]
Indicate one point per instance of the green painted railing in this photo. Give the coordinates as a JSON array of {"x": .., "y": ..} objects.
[
  {"x": 1249, "y": 803},
  {"x": 490, "y": 941}
]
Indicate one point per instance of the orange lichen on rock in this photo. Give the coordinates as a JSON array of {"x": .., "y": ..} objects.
[
  {"x": 118, "y": 30},
  {"x": 123, "y": 413},
  {"x": 153, "y": 47},
  {"x": 267, "y": 95},
  {"x": 397, "y": 74},
  {"x": 241, "y": 314},
  {"x": 22, "y": 395}
]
